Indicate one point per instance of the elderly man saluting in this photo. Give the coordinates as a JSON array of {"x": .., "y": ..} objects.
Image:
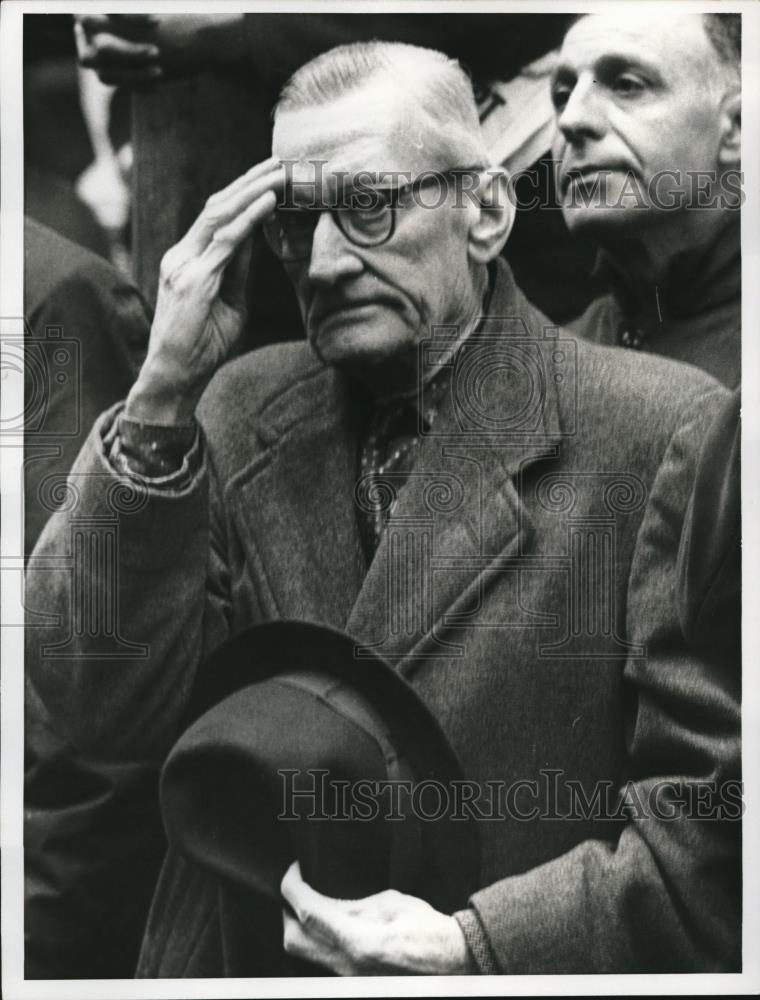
[{"x": 548, "y": 640}]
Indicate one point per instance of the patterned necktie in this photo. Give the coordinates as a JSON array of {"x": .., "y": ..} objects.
[
  {"x": 387, "y": 457},
  {"x": 389, "y": 454}
]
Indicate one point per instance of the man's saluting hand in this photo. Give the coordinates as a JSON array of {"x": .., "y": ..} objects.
[{"x": 200, "y": 310}]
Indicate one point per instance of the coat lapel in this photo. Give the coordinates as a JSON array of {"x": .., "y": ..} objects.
[
  {"x": 294, "y": 503},
  {"x": 458, "y": 518}
]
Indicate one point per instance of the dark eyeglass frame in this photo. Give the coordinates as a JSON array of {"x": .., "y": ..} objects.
[{"x": 394, "y": 196}]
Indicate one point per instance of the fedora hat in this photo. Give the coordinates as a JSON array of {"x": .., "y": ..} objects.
[{"x": 298, "y": 749}]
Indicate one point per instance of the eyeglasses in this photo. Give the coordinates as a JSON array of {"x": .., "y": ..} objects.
[{"x": 367, "y": 220}]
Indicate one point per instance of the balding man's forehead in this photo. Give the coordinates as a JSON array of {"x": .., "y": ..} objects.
[{"x": 674, "y": 39}]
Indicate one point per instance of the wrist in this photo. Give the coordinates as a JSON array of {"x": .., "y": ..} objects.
[
  {"x": 462, "y": 958},
  {"x": 152, "y": 401}
]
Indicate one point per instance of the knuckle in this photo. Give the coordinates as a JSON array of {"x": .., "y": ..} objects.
[
  {"x": 288, "y": 939},
  {"x": 169, "y": 264}
]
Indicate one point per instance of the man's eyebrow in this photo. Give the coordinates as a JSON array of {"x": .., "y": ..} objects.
[
  {"x": 608, "y": 65},
  {"x": 618, "y": 62}
]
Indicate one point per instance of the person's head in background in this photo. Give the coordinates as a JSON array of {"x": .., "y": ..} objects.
[{"x": 648, "y": 145}]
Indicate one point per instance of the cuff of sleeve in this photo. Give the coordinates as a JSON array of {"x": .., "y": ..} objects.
[
  {"x": 163, "y": 457},
  {"x": 477, "y": 942}
]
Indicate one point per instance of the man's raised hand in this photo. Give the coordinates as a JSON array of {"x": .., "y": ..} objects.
[{"x": 200, "y": 310}]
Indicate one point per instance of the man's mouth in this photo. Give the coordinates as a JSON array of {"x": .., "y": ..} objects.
[
  {"x": 590, "y": 172},
  {"x": 325, "y": 313}
]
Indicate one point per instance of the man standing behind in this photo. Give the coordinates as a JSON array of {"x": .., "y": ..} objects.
[{"x": 649, "y": 153}]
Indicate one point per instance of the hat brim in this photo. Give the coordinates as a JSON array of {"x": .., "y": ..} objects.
[{"x": 268, "y": 650}]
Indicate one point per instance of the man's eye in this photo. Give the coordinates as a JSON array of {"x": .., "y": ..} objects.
[
  {"x": 370, "y": 201},
  {"x": 379, "y": 208},
  {"x": 560, "y": 95},
  {"x": 297, "y": 219},
  {"x": 628, "y": 85}
]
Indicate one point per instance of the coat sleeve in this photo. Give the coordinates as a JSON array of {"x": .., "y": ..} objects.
[
  {"x": 666, "y": 897},
  {"x": 126, "y": 592}
]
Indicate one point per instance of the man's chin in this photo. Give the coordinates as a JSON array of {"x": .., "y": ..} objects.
[
  {"x": 597, "y": 222},
  {"x": 359, "y": 337}
]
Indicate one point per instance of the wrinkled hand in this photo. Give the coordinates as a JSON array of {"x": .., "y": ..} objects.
[
  {"x": 145, "y": 48},
  {"x": 200, "y": 310},
  {"x": 386, "y": 934}
]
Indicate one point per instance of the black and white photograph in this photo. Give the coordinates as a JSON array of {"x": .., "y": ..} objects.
[{"x": 372, "y": 451}]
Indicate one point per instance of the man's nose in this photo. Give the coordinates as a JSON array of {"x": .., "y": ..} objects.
[
  {"x": 584, "y": 116},
  {"x": 333, "y": 256}
]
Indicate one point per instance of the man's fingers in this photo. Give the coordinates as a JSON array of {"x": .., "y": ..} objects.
[
  {"x": 265, "y": 167},
  {"x": 231, "y": 200},
  {"x": 108, "y": 50},
  {"x": 233, "y": 287},
  {"x": 228, "y": 240},
  {"x": 225, "y": 207},
  {"x": 242, "y": 225},
  {"x": 92, "y": 23},
  {"x": 135, "y": 27},
  {"x": 321, "y": 916},
  {"x": 301, "y": 944},
  {"x": 84, "y": 49}
]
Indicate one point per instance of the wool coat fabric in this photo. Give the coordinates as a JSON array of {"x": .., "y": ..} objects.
[{"x": 525, "y": 586}]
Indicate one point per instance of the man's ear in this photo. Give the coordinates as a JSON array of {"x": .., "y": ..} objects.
[
  {"x": 730, "y": 150},
  {"x": 493, "y": 215}
]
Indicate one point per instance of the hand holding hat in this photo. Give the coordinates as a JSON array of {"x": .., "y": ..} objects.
[
  {"x": 389, "y": 933},
  {"x": 368, "y": 892}
]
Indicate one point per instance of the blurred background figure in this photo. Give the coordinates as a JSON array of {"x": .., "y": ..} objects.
[
  {"x": 76, "y": 143},
  {"x": 87, "y": 334},
  {"x": 104, "y": 184},
  {"x": 88, "y": 878}
]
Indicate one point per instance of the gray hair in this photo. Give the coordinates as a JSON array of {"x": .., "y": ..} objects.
[
  {"x": 444, "y": 87},
  {"x": 725, "y": 34}
]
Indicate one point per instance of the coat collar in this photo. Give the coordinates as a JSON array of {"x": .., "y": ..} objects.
[{"x": 698, "y": 280}]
